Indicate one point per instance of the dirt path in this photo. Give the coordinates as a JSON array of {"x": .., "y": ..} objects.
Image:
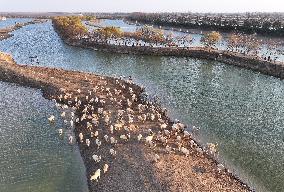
[{"x": 133, "y": 167}]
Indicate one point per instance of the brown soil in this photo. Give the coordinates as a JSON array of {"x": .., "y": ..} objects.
[{"x": 133, "y": 168}]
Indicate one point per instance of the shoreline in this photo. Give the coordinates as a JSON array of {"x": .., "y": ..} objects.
[
  {"x": 275, "y": 69},
  {"x": 7, "y": 32},
  {"x": 255, "y": 63},
  {"x": 133, "y": 168}
]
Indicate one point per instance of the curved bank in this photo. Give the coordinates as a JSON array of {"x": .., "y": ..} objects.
[
  {"x": 133, "y": 168},
  {"x": 255, "y": 63},
  {"x": 7, "y": 32}
]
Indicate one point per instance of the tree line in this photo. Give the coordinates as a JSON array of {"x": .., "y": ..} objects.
[
  {"x": 262, "y": 23},
  {"x": 70, "y": 27}
]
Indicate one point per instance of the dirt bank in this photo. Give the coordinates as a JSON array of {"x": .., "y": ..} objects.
[
  {"x": 273, "y": 68},
  {"x": 133, "y": 168}
]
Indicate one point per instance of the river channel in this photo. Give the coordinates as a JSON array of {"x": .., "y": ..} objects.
[{"x": 241, "y": 110}]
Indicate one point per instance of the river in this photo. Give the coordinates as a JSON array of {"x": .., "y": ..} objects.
[
  {"x": 241, "y": 110},
  {"x": 196, "y": 37},
  {"x": 33, "y": 156},
  {"x": 12, "y": 21}
]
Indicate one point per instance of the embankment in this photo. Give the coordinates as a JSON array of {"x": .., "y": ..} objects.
[
  {"x": 271, "y": 68},
  {"x": 275, "y": 69},
  {"x": 133, "y": 168}
]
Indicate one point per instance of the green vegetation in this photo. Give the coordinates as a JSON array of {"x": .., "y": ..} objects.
[{"x": 70, "y": 27}]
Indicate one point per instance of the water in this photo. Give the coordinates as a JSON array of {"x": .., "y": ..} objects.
[
  {"x": 196, "y": 37},
  {"x": 118, "y": 23},
  {"x": 11, "y": 21},
  {"x": 33, "y": 157},
  {"x": 240, "y": 109}
]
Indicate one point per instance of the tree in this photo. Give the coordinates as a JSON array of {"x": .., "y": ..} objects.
[
  {"x": 234, "y": 41},
  {"x": 169, "y": 38},
  {"x": 188, "y": 39},
  {"x": 211, "y": 39},
  {"x": 107, "y": 32},
  {"x": 70, "y": 27},
  {"x": 89, "y": 18},
  {"x": 251, "y": 44},
  {"x": 150, "y": 34}
]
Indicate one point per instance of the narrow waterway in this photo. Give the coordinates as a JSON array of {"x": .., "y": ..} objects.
[
  {"x": 196, "y": 37},
  {"x": 33, "y": 156},
  {"x": 12, "y": 21},
  {"x": 241, "y": 110}
]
